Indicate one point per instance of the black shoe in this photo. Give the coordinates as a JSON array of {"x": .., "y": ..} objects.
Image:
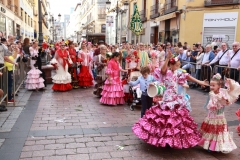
[{"x": 3, "y": 109}]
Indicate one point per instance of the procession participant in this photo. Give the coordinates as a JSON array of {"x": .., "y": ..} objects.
[
  {"x": 132, "y": 63},
  {"x": 143, "y": 55},
  {"x": 153, "y": 64},
  {"x": 160, "y": 55},
  {"x": 34, "y": 81},
  {"x": 112, "y": 93},
  {"x": 73, "y": 67},
  {"x": 85, "y": 77},
  {"x": 62, "y": 79}
]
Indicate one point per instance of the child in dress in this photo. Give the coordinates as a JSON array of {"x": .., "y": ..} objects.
[
  {"x": 169, "y": 123},
  {"x": 112, "y": 93},
  {"x": 145, "y": 80},
  {"x": 215, "y": 135}
]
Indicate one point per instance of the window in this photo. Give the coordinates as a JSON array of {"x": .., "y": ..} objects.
[{"x": 2, "y": 23}]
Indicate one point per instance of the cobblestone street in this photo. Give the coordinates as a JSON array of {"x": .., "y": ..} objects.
[{"x": 74, "y": 126}]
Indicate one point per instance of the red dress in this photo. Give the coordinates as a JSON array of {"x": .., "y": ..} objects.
[
  {"x": 73, "y": 68},
  {"x": 62, "y": 79},
  {"x": 85, "y": 78}
]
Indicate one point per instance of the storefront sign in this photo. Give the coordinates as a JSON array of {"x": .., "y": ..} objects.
[
  {"x": 168, "y": 16},
  {"x": 3, "y": 10},
  {"x": 223, "y": 19}
]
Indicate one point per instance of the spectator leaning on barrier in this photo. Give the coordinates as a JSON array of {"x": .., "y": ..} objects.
[
  {"x": 235, "y": 61},
  {"x": 222, "y": 58},
  {"x": 10, "y": 66},
  {"x": 199, "y": 59},
  {"x": 2, "y": 107}
]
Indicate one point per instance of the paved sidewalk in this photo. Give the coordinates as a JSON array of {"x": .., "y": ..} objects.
[{"x": 74, "y": 126}]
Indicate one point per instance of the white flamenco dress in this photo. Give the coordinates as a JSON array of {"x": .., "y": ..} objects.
[
  {"x": 34, "y": 81},
  {"x": 62, "y": 79}
]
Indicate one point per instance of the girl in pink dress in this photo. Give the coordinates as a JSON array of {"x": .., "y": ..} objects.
[
  {"x": 215, "y": 135},
  {"x": 154, "y": 62},
  {"x": 169, "y": 122},
  {"x": 34, "y": 81},
  {"x": 112, "y": 93},
  {"x": 85, "y": 77}
]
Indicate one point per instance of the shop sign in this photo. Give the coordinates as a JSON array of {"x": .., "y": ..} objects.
[
  {"x": 168, "y": 16},
  {"x": 3, "y": 10},
  {"x": 223, "y": 19}
]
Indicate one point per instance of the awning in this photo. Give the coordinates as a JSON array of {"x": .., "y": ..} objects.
[
  {"x": 96, "y": 34},
  {"x": 168, "y": 16}
]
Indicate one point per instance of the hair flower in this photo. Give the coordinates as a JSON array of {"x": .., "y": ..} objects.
[{"x": 217, "y": 76}]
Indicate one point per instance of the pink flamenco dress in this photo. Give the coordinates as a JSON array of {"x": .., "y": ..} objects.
[
  {"x": 169, "y": 123},
  {"x": 34, "y": 81},
  {"x": 85, "y": 78},
  {"x": 112, "y": 93},
  {"x": 214, "y": 129}
]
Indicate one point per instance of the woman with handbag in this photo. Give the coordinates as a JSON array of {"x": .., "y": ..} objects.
[
  {"x": 85, "y": 78},
  {"x": 34, "y": 81},
  {"x": 61, "y": 62}
]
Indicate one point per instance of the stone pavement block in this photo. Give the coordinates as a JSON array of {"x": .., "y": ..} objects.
[
  {"x": 33, "y": 148},
  {"x": 100, "y": 155},
  {"x": 102, "y": 139},
  {"x": 82, "y": 150},
  {"x": 75, "y": 145},
  {"x": 78, "y": 157},
  {"x": 66, "y": 151},
  {"x": 113, "y": 159},
  {"x": 54, "y": 146},
  {"x": 94, "y": 144},
  {"x": 106, "y": 149},
  {"x": 29, "y": 143},
  {"x": 88, "y": 139},
  {"x": 26, "y": 154},
  {"x": 34, "y": 158},
  {"x": 120, "y": 153},
  {"x": 45, "y": 142},
  {"x": 55, "y": 158},
  {"x": 117, "y": 138},
  {"x": 44, "y": 153},
  {"x": 65, "y": 140}
]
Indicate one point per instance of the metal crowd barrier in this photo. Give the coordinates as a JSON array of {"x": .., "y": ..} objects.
[
  {"x": 4, "y": 84},
  {"x": 227, "y": 72},
  {"x": 19, "y": 74}
]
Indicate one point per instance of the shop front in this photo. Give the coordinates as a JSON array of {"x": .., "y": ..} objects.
[{"x": 219, "y": 27}]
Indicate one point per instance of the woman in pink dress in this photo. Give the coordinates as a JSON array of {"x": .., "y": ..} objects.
[
  {"x": 34, "y": 81},
  {"x": 169, "y": 122},
  {"x": 85, "y": 77},
  {"x": 112, "y": 93}
]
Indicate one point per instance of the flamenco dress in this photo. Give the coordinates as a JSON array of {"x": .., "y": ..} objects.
[
  {"x": 112, "y": 93},
  {"x": 34, "y": 81},
  {"x": 169, "y": 123},
  {"x": 62, "y": 79},
  {"x": 85, "y": 78},
  {"x": 214, "y": 129}
]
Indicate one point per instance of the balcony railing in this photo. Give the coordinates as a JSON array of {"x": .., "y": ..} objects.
[
  {"x": 170, "y": 6},
  {"x": 9, "y": 3},
  {"x": 143, "y": 15},
  {"x": 220, "y": 2},
  {"x": 155, "y": 11},
  {"x": 15, "y": 10},
  {"x": 101, "y": 16}
]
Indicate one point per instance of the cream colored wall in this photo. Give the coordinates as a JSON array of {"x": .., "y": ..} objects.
[{"x": 192, "y": 27}]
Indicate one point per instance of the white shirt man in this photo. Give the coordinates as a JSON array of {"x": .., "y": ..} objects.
[
  {"x": 222, "y": 56},
  {"x": 235, "y": 61}
]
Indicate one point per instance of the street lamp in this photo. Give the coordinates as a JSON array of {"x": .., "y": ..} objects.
[{"x": 117, "y": 10}]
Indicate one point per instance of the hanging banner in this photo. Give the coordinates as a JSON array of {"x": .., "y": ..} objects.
[{"x": 136, "y": 23}]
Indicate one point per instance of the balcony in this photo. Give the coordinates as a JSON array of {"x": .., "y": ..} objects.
[
  {"x": 154, "y": 11},
  {"x": 9, "y": 3},
  {"x": 220, "y": 2},
  {"x": 101, "y": 16},
  {"x": 15, "y": 10},
  {"x": 143, "y": 15},
  {"x": 170, "y": 7}
]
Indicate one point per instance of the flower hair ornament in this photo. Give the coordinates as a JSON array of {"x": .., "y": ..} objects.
[
  {"x": 174, "y": 60},
  {"x": 135, "y": 53},
  {"x": 217, "y": 76},
  {"x": 153, "y": 54}
]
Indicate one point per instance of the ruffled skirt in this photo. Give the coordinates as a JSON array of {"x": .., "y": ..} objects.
[
  {"x": 62, "y": 81},
  {"x": 112, "y": 93},
  {"x": 215, "y": 135},
  {"x": 162, "y": 127},
  {"x": 85, "y": 78},
  {"x": 62, "y": 87},
  {"x": 34, "y": 81}
]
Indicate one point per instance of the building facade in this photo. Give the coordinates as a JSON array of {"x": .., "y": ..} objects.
[
  {"x": 90, "y": 20},
  {"x": 189, "y": 21}
]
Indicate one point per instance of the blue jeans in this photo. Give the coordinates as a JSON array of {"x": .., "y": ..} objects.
[{"x": 10, "y": 84}]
